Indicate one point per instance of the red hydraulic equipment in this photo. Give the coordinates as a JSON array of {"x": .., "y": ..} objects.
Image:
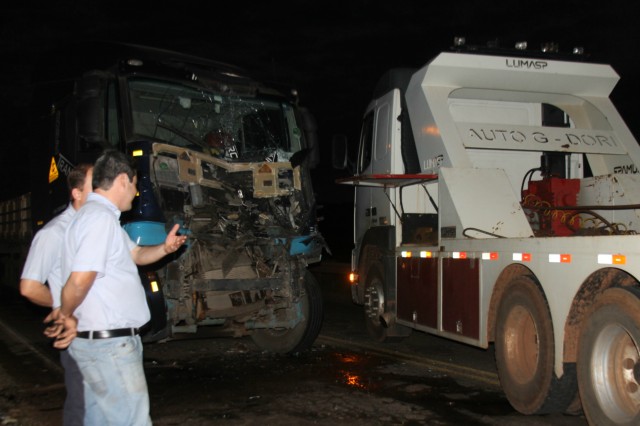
[{"x": 541, "y": 200}]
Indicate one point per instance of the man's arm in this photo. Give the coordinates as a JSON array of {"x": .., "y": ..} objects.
[
  {"x": 36, "y": 292},
  {"x": 75, "y": 290},
  {"x": 149, "y": 254}
]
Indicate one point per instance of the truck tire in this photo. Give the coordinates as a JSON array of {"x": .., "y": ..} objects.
[
  {"x": 375, "y": 304},
  {"x": 302, "y": 336},
  {"x": 524, "y": 351},
  {"x": 609, "y": 359}
]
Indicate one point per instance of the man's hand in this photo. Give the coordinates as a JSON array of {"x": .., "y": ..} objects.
[
  {"x": 146, "y": 255},
  {"x": 62, "y": 328},
  {"x": 53, "y": 328},
  {"x": 69, "y": 332},
  {"x": 173, "y": 241}
]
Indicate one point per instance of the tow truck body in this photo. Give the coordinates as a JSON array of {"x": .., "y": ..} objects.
[{"x": 497, "y": 200}]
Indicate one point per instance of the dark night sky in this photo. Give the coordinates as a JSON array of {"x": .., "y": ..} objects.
[{"x": 332, "y": 51}]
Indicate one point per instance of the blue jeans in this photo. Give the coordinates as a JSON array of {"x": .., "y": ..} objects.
[
  {"x": 73, "y": 413},
  {"x": 115, "y": 388}
]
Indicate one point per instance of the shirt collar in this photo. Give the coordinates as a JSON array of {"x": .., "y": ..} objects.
[{"x": 105, "y": 202}]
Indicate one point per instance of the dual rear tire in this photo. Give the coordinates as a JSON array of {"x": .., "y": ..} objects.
[
  {"x": 608, "y": 364},
  {"x": 609, "y": 359},
  {"x": 525, "y": 352}
]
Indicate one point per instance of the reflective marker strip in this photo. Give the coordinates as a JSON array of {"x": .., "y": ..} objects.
[
  {"x": 490, "y": 256},
  {"x": 423, "y": 254},
  {"x": 603, "y": 259},
  {"x": 612, "y": 259},
  {"x": 559, "y": 258}
]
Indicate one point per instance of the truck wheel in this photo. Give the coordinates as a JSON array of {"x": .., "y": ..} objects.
[
  {"x": 609, "y": 360},
  {"x": 302, "y": 336},
  {"x": 374, "y": 302},
  {"x": 524, "y": 351}
]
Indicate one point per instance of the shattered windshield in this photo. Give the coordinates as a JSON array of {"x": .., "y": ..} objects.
[{"x": 226, "y": 126}]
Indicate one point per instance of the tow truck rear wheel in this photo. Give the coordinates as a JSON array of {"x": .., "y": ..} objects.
[
  {"x": 524, "y": 351},
  {"x": 609, "y": 359},
  {"x": 302, "y": 336}
]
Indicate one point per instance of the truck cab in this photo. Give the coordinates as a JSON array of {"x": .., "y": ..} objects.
[{"x": 228, "y": 158}]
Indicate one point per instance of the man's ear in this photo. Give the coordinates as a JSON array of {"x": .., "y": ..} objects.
[
  {"x": 76, "y": 194},
  {"x": 123, "y": 180}
]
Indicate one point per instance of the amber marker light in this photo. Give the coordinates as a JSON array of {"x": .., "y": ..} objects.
[
  {"x": 431, "y": 130},
  {"x": 619, "y": 259}
]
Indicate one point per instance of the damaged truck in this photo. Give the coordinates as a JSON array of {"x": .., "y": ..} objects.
[{"x": 226, "y": 157}]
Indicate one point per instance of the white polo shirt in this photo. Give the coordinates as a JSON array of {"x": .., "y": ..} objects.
[
  {"x": 95, "y": 241},
  {"x": 43, "y": 260}
]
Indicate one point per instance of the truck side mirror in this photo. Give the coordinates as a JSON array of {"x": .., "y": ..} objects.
[
  {"x": 90, "y": 108},
  {"x": 310, "y": 128},
  {"x": 339, "y": 152}
]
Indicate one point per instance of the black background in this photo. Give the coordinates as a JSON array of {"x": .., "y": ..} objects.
[{"x": 333, "y": 52}]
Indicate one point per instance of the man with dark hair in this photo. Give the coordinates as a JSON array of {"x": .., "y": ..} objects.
[
  {"x": 104, "y": 292},
  {"x": 43, "y": 265}
]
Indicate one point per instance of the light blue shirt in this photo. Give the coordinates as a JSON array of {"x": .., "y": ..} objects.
[
  {"x": 96, "y": 242},
  {"x": 43, "y": 260}
]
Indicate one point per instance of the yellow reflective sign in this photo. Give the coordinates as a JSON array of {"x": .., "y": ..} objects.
[{"x": 53, "y": 171}]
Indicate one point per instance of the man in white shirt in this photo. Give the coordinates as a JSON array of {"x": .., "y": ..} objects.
[
  {"x": 43, "y": 265},
  {"x": 105, "y": 294}
]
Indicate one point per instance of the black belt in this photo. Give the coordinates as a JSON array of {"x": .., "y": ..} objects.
[{"x": 107, "y": 334}]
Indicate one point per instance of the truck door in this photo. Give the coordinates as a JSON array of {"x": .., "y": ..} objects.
[
  {"x": 375, "y": 156},
  {"x": 362, "y": 200}
]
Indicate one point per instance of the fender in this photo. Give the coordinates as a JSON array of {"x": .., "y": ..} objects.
[{"x": 384, "y": 239}]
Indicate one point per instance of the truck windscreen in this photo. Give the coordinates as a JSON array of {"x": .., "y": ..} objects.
[{"x": 223, "y": 125}]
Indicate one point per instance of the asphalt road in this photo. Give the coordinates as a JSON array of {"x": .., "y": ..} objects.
[{"x": 345, "y": 379}]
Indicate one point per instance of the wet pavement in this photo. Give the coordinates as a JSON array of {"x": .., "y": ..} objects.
[{"x": 344, "y": 379}]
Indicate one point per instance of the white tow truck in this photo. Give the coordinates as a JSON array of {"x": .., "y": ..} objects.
[{"x": 497, "y": 200}]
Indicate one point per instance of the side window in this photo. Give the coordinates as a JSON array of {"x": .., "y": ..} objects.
[
  {"x": 382, "y": 133},
  {"x": 366, "y": 141}
]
